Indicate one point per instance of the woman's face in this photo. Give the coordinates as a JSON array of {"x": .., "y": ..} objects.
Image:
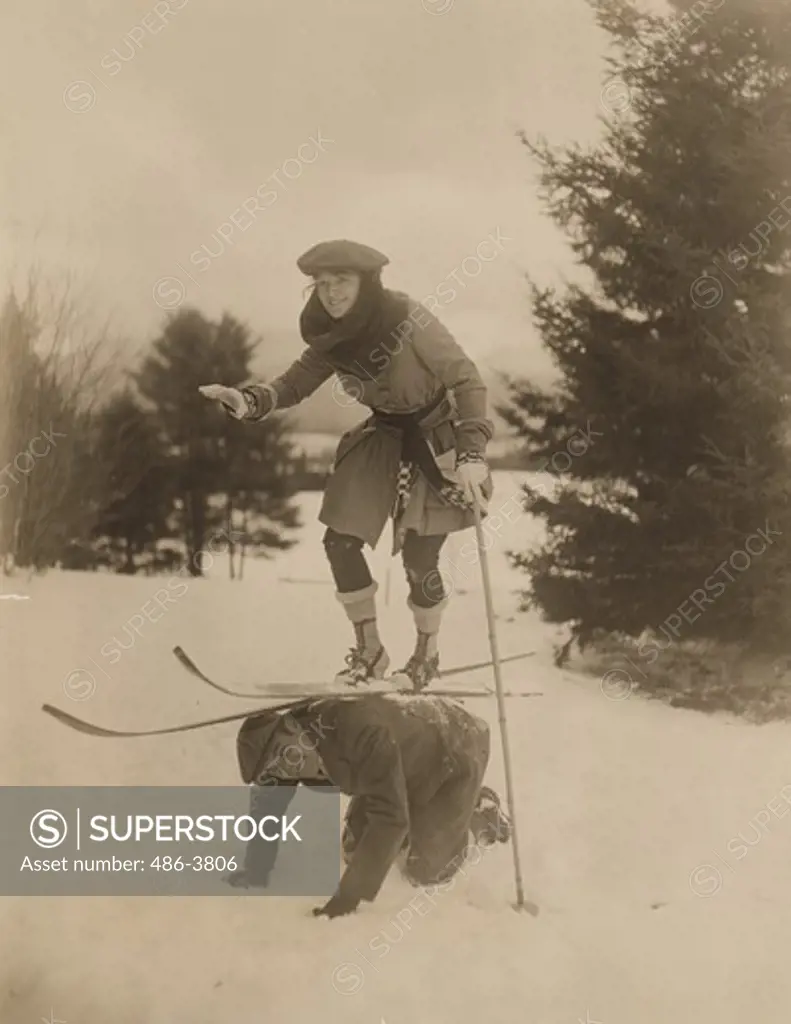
[{"x": 338, "y": 291}]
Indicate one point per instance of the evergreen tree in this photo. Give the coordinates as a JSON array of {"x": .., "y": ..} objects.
[
  {"x": 258, "y": 486},
  {"x": 140, "y": 494},
  {"x": 674, "y": 361},
  {"x": 209, "y": 453}
]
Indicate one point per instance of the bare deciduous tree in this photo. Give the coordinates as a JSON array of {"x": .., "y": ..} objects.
[{"x": 53, "y": 369}]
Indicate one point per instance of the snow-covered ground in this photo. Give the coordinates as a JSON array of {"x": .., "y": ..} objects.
[{"x": 626, "y": 808}]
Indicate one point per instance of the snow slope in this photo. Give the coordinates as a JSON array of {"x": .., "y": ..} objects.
[{"x": 619, "y": 801}]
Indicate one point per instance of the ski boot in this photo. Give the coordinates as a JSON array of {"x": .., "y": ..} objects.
[
  {"x": 490, "y": 824},
  {"x": 364, "y": 662},
  {"x": 419, "y": 670}
]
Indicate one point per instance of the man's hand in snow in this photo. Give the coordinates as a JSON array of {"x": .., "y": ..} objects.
[{"x": 338, "y": 906}]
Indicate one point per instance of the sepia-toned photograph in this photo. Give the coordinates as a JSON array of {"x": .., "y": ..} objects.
[{"x": 395, "y": 512}]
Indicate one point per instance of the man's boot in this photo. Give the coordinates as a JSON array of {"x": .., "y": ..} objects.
[{"x": 490, "y": 824}]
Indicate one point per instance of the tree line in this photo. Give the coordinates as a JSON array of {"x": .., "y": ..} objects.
[{"x": 139, "y": 474}]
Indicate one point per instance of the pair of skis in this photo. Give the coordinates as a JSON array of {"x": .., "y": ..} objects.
[
  {"x": 322, "y": 689},
  {"x": 295, "y": 697}
]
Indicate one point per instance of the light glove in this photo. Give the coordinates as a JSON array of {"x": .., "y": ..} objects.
[
  {"x": 233, "y": 400},
  {"x": 475, "y": 479}
]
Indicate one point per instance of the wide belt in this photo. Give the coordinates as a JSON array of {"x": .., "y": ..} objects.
[{"x": 415, "y": 448}]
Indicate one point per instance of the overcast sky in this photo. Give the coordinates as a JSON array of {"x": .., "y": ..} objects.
[{"x": 131, "y": 133}]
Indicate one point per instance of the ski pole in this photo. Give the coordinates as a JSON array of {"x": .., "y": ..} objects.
[{"x": 498, "y": 682}]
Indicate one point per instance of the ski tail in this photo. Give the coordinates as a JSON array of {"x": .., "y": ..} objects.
[{"x": 459, "y": 670}]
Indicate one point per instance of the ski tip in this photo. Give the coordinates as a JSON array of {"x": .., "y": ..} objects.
[
  {"x": 66, "y": 719},
  {"x": 49, "y": 709}
]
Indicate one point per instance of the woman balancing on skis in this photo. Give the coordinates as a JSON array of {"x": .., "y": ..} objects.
[{"x": 420, "y": 456}]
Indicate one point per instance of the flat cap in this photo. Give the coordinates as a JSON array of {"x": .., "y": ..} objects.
[
  {"x": 341, "y": 254},
  {"x": 252, "y": 741}
]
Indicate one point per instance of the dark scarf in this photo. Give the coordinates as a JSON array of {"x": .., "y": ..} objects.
[{"x": 362, "y": 341}]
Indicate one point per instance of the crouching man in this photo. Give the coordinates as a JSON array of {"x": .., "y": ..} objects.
[{"x": 413, "y": 767}]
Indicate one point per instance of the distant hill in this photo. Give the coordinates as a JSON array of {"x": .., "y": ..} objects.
[
  {"x": 321, "y": 413},
  {"x": 319, "y": 449}
]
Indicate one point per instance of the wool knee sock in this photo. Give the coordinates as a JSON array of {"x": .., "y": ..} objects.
[
  {"x": 360, "y": 608},
  {"x": 427, "y": 623}
]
